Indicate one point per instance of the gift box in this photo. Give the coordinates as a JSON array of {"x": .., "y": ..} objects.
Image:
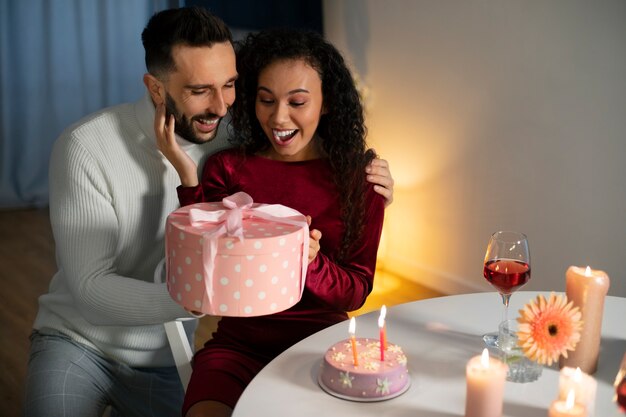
[{"x": 236, "y": 258}]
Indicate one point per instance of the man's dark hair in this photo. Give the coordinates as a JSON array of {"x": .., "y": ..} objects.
[{"x": 190, "y": 26}]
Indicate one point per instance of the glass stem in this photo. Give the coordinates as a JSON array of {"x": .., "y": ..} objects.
[{"x": 505, "y": 301}]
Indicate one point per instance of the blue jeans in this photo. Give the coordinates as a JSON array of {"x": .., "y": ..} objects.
[{"x": 66, "y": 378}]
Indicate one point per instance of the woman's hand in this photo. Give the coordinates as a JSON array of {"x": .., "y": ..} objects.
[
  {"x": 378, "y": 173},
  {"x": 166, "y": 143},
  {"x": 314, "y": 241}
]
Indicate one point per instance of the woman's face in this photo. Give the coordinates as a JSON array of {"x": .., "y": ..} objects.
[{"x": 289, "y": 105}]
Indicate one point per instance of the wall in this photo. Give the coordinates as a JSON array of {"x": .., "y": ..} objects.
[{"x": 495, "y": 115}]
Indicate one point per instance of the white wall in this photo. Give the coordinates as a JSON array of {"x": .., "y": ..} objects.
[{"x": 495, "y": 115}]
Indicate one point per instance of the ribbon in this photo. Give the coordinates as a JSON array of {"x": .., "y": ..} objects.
[{"x": 240, "y": 206}]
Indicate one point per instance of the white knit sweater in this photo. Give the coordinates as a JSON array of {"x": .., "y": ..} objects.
[{"x": 110, "y": 193}]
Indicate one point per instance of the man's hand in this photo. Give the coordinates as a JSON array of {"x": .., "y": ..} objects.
[{"x": 378, "y": 173}]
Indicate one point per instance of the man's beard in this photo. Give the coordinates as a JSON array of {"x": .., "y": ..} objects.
[{"x": 184, "y": 126}]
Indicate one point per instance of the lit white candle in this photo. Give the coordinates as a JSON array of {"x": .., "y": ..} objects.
[
  {"x": 621, "y": 374},
  {"x": 567, "y": 408},
  {"x": 485, "y": 378},
  {"x": 587, "y": 288},
  {"x": 352, "y": 331},
  {"x": 383, "y": 332},
  {"x": 583, "y": 385}
]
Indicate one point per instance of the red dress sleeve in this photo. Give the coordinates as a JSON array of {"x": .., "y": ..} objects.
[
  {"x": 345, "y": 286},
  {"x": 213, "y": 184}
]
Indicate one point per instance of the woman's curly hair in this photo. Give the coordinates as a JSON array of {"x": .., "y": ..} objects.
[{"x": 341, "y": 129}]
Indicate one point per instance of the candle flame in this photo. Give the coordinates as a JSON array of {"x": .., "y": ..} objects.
[
  {"x": 578, "y": 375},
  {"x": 381, "y": 318},
  {"x": 484, "y": 359},
  {"x": 352, "y": 330},
  {"x": 571, "y": 399},
  {"x": 588, "y": 271}
]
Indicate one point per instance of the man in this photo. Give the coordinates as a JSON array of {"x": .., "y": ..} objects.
[{"x": 98, "y": 338}]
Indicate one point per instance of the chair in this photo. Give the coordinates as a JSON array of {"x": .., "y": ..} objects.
[
  {"x": 181, "y": 349},
  {"x": 177, "y": 337}
]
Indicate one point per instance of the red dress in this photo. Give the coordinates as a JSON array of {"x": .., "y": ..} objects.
[{"x": 242, "y": 346}]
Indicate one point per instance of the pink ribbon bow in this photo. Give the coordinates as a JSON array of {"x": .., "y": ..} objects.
[{"x": 231, "y": 220}]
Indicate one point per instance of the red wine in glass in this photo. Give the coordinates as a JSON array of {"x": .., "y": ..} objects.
[
  {"x": 507, "y": 268},
  {"x": 506, "y": 275}
]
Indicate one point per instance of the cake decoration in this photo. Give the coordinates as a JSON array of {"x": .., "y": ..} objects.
[{"x": 370, "y": 379}]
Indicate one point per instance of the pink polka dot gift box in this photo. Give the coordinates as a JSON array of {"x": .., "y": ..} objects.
[{"x": 236, "y": 258}]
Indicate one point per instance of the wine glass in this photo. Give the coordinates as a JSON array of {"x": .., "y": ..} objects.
[{"x": 506, "y": 268}]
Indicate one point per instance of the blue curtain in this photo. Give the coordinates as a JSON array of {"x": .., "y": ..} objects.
[{"x": 61, "y": 60}]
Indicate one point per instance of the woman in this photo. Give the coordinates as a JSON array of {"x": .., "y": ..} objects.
[{"x": 300, "y": 136}]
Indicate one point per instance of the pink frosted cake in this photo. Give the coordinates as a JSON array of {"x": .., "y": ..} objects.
[
  {"x": 371, "y": 380},
  {"x": 243, "y": 260}
]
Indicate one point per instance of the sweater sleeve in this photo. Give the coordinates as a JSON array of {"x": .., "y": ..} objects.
[
  {"x": 346, "y": 286},
  {"x": 86, "y": 231}
]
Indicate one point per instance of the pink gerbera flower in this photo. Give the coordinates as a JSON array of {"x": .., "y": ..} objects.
[{"x": 548, "y": 329}]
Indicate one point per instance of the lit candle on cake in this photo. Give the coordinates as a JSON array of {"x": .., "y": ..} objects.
[
  {"x": 485, "y": 378},
  {"x": 383, "y": 332},
  {"x": 352, "y": 331},
  {"x": 583, "y": 385},
  {"x": 567, "y": 408},
  {"x": 587, "y": 288}
]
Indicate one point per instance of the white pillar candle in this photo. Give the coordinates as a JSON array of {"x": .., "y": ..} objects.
[
  {"x": 567, "y": 408},
  {"x": 583, "y": 385},
  {"x": 485, "y": 378},
  {"x": 587, "y": 288}
]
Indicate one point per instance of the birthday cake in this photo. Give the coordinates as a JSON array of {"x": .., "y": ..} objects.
[
  {"x": 236, "y": 258},
  {"x": 371, "y": 379}
]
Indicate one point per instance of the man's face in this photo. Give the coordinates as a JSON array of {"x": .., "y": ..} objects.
[{"x": 201, "y": 89}]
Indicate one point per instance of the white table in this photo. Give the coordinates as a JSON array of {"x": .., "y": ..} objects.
[{"x": 439, "y": 336}]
